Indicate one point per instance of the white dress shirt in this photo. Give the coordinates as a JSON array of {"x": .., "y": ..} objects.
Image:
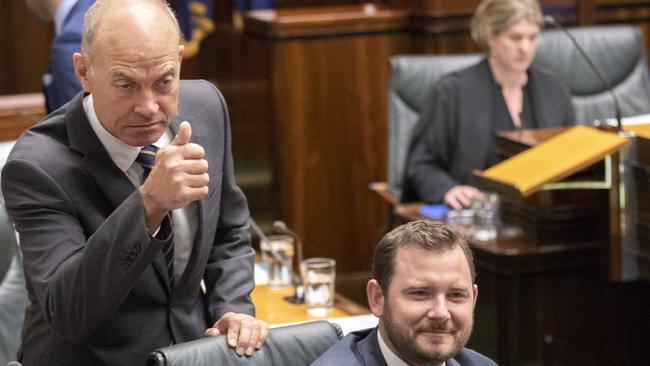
[{"x": 185, "y": 219}]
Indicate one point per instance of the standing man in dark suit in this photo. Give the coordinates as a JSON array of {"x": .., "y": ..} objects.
[
  {"x": 423, "y": 293},
  {"x": 60, "y": 83},
  {"x": 123, "y": 255}
]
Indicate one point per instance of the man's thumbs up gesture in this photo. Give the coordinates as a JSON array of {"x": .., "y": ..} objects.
[{"x": 179, "y": 176}]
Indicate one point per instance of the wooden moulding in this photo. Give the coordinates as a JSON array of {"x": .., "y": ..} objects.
[{"x": 325, "y": 21}]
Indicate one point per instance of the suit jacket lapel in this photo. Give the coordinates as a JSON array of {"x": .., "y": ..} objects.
[
  {"x": 539, "y": 99},
  {"x": 370, "y": 351},
  {"x": 96, "y": 160},
  {"x": 196, "y": 247}
]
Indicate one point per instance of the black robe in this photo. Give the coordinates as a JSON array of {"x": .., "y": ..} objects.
[{"x": 456, "y": 132}]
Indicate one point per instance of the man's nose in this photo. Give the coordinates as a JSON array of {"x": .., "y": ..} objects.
[
  {"x": 146, "y": 103},
  {"x": 438, "y": 309}
]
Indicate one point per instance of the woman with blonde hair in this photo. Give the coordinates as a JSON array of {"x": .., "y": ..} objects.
[{"x": 456, "y": 133}]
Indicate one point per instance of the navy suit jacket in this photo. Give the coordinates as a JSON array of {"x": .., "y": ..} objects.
[
  {"x": 63, "y": 85},
  {"x": 361, "y": 348},
  {"x": 456, "y": 132},
  {"x": 97, "y": 282}
]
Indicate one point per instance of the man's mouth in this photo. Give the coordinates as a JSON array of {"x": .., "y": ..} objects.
[{"x": 145, "y": 124}]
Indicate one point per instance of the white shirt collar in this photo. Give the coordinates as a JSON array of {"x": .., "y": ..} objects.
[
  {"x": 61, "y": 13},
  {"x": 391, "y": 358},
  {"x": 122, "y": 154}
]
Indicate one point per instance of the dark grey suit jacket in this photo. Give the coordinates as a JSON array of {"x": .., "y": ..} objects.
[
  {"x": 456, "y": 132},
  {"x": 96, "y": 280},
  {"x": 361, "y": 348}
]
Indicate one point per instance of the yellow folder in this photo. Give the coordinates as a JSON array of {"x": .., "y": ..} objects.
[
  {"x": 642, "y": 130},
  {"x": 556, "y": 158}
]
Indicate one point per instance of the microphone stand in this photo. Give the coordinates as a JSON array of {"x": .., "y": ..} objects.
[
  {"x": 552, "y": 22},
  {"x": 263, "y": 237},
  {"x": 299, "y": 297}
]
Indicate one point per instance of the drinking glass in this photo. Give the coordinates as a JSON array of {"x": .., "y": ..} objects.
[
  {"x": 318, "y": 276},
  {"x": 486, "y": 217},
  {"x": 277, "y": 254}
]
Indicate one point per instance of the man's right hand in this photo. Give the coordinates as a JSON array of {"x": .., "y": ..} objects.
[
  {"x": 459, "y": 197},
  {"x": 179, "y": 176}
]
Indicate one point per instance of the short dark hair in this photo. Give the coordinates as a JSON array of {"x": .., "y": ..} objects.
[{"x": 430, "y": 235}]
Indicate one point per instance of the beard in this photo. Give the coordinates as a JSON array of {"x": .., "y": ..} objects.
[{"x": 408, "y": 348}]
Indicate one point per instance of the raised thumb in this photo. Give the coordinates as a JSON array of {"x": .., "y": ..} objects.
[{"x": 184, "y": 134}]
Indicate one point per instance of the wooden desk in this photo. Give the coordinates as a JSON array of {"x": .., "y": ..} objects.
[
  {"x": 271, "y": 306},
  {"x": 19, "y": 112},
  {"x": 513, "y": 240}
]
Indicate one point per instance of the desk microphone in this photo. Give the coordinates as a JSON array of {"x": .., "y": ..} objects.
[
  {"x": 263, "y": 237},
  {"x": 281, "y": 228},
  {"x": 549, "y": 20}
]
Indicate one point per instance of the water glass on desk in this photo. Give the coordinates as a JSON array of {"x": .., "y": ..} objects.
[
  {"x": 277, "y": 254},
  {"x": 462, "y": 221},
  {"x": 318, "y": 275},
  {"x": 486, "y": 217}
]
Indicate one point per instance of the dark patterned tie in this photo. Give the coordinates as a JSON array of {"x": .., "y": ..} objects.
[
  {"x": 168, "y": 251},
  {"x": 147, "y": 158}
]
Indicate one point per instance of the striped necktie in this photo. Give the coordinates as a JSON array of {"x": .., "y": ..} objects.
[
  {"x": 168, "y": 251},
  {"x": 147, "y": 158}
]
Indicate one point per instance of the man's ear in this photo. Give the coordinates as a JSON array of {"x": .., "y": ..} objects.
[
  {"x": 181, "y": 52},
  {"x": 81, "y": 70},
  {"x": 375, "y": 298}
]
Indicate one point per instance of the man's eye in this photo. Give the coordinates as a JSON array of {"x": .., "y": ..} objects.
[
  {"x": 165, "y": 83},
  {"x": 458, "y": 296},
  {"x": 124, "y": 86},
  {"x": 418, "y": 294}
]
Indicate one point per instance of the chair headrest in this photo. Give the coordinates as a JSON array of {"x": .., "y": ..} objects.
[
  {"x": 413, "y": 76},
  {"x": 614, "y": 50}
]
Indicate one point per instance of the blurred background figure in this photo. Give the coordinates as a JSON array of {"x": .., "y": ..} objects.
[
  {"x": 59, "y": 83},
  {"x": 457, "y": 128}
]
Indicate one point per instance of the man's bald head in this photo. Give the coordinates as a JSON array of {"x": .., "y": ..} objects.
[
  {"x": 115, "y": 19},
  {"x": 131, "y": 65}
]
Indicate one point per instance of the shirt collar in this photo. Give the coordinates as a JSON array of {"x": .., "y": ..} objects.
[
  {"x": 122, "y": 154},
  {"x": 61, "y": 13},
  {"x": 391, "y": 358}
]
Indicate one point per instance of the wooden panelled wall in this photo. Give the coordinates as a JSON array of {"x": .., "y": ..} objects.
[
  {"x": 307, "y": 95},
  {"x": 24, "y": 48}
]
